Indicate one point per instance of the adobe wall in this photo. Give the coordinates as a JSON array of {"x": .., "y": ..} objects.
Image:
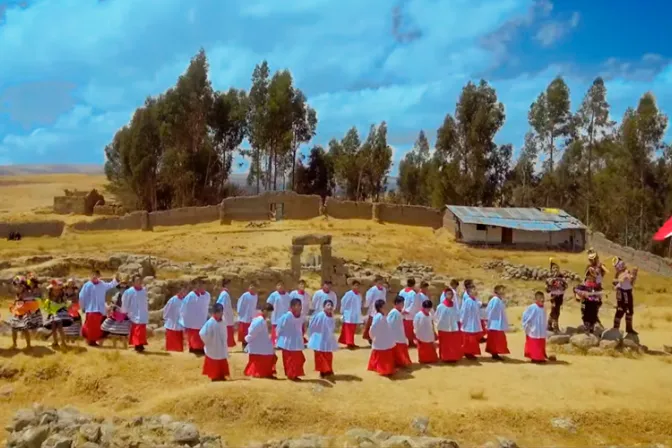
[
  {"x": 410, "y": 215},
  {"x": 633, "y": 257},
  {"x": 348, "y": 209},
  {"x": 32, "y": 229},
  {"x": 184, "y": 216},
  {"x": 132, "y": 221},
  {"x": 64, "y": 205},
  {"x": 109, "y": 210},
  {"x": 257, "y": 208}
]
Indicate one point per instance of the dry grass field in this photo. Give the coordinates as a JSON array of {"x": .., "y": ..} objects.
[{"x": 612, "y": 400}]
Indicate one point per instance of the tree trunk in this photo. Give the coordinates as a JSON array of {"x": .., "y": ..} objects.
[
  {"x": 590, "y": 171},
  {"x": 258, "y": 164},
  {"x": 293, "y": 168}
]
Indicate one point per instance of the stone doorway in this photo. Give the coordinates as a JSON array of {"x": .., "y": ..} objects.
[{"x": 324, "y": 241}]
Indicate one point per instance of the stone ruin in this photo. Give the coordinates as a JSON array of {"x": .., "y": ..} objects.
[
  {"x": 520, "y": 271},
  {"x": 327, "y": 262},
  {"x": 77, "y": 202},
  {"x": 599, "y": 342}
]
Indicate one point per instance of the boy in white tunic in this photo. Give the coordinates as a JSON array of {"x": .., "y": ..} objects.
[
  {"x": 306, "y": 301},
  {"x": 280, "y": 301},
  {"x": 324, "y": 294},
  {"x": 534, "y": 324},
  {"x": 171, "y": 319},
  {"x": 134, "y": 303},
  {"x": 92, "y": 301},
  {"x": 381, "y": 360},
  {"x": 470, "y": 321},
  {"x": 194, "y": 314},
  {"x": 213, "y": 335},
  {"x": 322, "y": 340},
  {"x": 246, "y": 308},
  {"x": 351, "y": 310},
  {"x": 290, "y": 341},
  {"x": 412, "y": 305},
  {"x": 224, "y": 299},
  {"x": 262, "y": 359},
  {"x": 396, "y": 322},
  {"x": 498, "y": 325},
  {"x": 375, "y": 293},
  {"x": 447, "y": 321},
  {"x": 423, "y": 326}
]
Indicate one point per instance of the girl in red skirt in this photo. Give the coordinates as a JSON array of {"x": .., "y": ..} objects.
[
  {"x": 412, "y": 304},
  {"x": 534, "y": 324},
  {"x": 376, "y": 292},
  {"x": 246, "y": 308},
  {"x": 290, "y": 341},
  {"x": 351, "y": 310},
  {"x": 382, "y": 346},
  {"x": 470, "y": 321},
  {"x": 213, "y": 334},
  {"x": 322, "y": 339},
  {"x": 498, "y": 325},
  {"x": 194, "y": 314},
  {"x": 171, "y": 317},
  {"x": 262, "y": 359},
  {"x": 135, "y": 305},
  {"x": 447, "y": 320},
  {"x": 423, "y": 326},
  {"x": 225, "y": 300},
  {"x": 396, "y": 322}
]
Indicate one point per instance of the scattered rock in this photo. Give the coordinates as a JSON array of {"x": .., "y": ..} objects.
[
  {"x": 632, "y": 337},
  {"x": 609, "y": 344},
  {"x": 33, "y": 437},
  {"x": 558, "y": 339},
  {"x": 311, "y": 239},
  {"x": 584, "y": 341},
  {"x": 506, "y": 443},
  {"x": 397, "y": 442},
  {"x": 90, "y": 432},
  {"x": 612, "y": 334},
  {"x": 596, "y": 351},
  {"x": 23, "y": 418},
  {"x": 563, "y": 423},
  {"x": 420, "y": 424},
  {"x": 186, "y": 433},
  {"x": 57, "y": 441}
]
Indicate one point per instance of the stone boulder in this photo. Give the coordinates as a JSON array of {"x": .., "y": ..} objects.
[
  {"x": 558, "y": 339},
  {"x": 584, "y": 341},
  {"x": 311, "y": 239},
  {"x": 612, "y": 334}
]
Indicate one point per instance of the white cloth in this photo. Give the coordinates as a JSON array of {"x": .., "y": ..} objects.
[
  {"x": 224, "y": 299},
  {"x": 213, "y": 334},
  {"x": 194, "y": 311},
  {"x": 534, "y": 321},
  {"x": 246, "y": 307},
  {"x": 92, "y": 296},
  {"x": 422, "y": 327},
  {"x": 381, "y": 333},
  {"x": 321, "y": 329},
  {"x": 134, "y": 303},
  {"x": 280, "y": 302},
  {"x": 396, "y": 322},
  {"x": 372, "y": 296},
  {"x": 497, "y": 315},
  {"x": 470, "y": 315},
  {"x": 320, "y": 296},
  {"x": 290, "y": 332},
  {"x": 258, "y": 338},
  {"x": 351, "y": 307},
  {"x": 412, "y": 303},
  {"x": 171, "y": 314},
  {"x": 447, "y": 318},
  {"x": 305, "y": 301}
]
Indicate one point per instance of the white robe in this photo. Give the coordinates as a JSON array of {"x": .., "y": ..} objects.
[
  {"x": 194, "y": 311},
  {"x": 258, "y": 338},
  {"x": 534, "y": 321},
  {"x": 351, "y": 308},
  {"x": 247, "y": 307},
  {"x": 224, "y": 299},
  {"x": 290, "y": 332},
  {"x": 396, "y": 322},
  {"x": 92, "y": 296},
  {"x": 134, "y": 303},
  {"x": 171, "y": 314},
  {"x": 412, "y": 303},
  {"x": 470, "y": 316},
  {"x": 422, "y": 327},
  {"x": 305, "y": 301},
  {"x": 320, "y": 296},
  {"x": 381, "y": 333},
  {"x": 280, "y": 302},
  {"x": 372, "y": 296},
  {"x": 321, "y": 329},
  {"x": 447, "y": 318},
  {"x": 497, "y": 315},
  {"x": 213, "y": 334},
  {"x": 457, "y": 300}
]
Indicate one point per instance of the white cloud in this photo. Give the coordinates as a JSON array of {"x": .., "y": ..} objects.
[{"x": 552, "y": 31}]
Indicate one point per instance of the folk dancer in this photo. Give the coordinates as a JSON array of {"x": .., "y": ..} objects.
[
  {"x": 56, "y": 308},
  {"x": 224, "y": 299},
  {"x": 534, "y": 324},
  {"x": 590, "y": 296},
  {"x": 556, "y": 285},
  {"x": 171, "y": 319},
  {"x": 92, "y": 301},
  {"x": 498, "y": 325},
  {"x": 351, "y": 310},
  {"x": 382, "y": 359},
  {"x": 447, "y": 321},
  {"x": 290, "y": 341},
  {"x": 26, "y": 315},
  {"x": 280, "y": 300},
  {"x": 322, "y": 340},
  {"x": 261, "y": 354},
  {"x": 470, "y": 321},
  {"x": 116, "y": 323},
  {"x": 624, "y": 283},
  {"x": 599, "y": 271},
  {"x": 423, "y": 326},
  {"x": 135, "y": 305},
  {"x": 395, "y": 321},
  {"x": 213, "y": 334},
  {"x": 412, "y": 305},
  {"x": 376, "y": 292},
  {"x": 246, "y": 308},
  {"x": 194, "y": 314},
  {"x": 71, "y": 296}
]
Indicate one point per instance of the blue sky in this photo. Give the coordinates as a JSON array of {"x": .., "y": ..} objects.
[{"x": 73, "y": 71}]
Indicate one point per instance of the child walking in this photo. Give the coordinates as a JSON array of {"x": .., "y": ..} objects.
[
  {"x": 534, "y": 324},
  {"x": 58, "y": 317},
  {"x": 470, "y": 321},
  {"x": 26, "y": 315},
  {"x": 171, "y": 319},
  {"x": 72, "y": 332},
  {"x": 395, "y": 320},
  {"x": 213, "y": 334},
  {"x": 498, "y": 325},
  {"x": 382, "y": 359},
  {"x": 322, "y": 340},
  {"x": 447, "y": 320},
  {"x": 351, "y": 310},
  {"x": 261, "y": 354},
  {"x": 290, "y": 340},
  {"x": 225, "y": 300},
  {"x": 423, "y": 326}
]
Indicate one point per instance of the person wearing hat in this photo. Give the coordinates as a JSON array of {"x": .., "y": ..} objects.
[
  {"x": 599, "y": 270},
  {"x": 56, "y": 308},
  {"x": 624, "y": 282},
  {"x": 590, "y": 296},
  {"x": 26, "y": 315},
  {"x": 556, "y": 285},
  {"x": 71, "y": 297},
  {"x": 117, "y": 324}
]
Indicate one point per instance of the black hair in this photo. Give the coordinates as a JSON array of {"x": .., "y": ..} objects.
[
  {"x": 398, "y": 299},
  {"x": 267, "y": 307},
  {"x": 427, "y": 304},
  {"x": 410, "y": 282},
  {"x": 95, "y": 272},
  {"x": 356, "y": 283},
  {"x": 302, "y": 281},
  {"x": 225, "y": 282},
  {"x": 380, "y": 303},
  {"x": 499, "y": 289},
  {"x": 294, "y": 302},
  {"x": 424, "y": 285},
  {"x": 328, "y": 301},
  {"x": 538, "y": 294},
  {"x": 326, "y": 282},
  {"x": 449, "y": 291},
  {"x": 468, "y": 283},
  {"x": 454, "y": 283},
  {"x": 217, "y": 308}
]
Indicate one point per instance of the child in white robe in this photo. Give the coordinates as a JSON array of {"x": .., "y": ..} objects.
[
  {"x": 92, "y": 301},
  {"x": 423, "y": 326},
  {"x": 306, "y": 301},
  {"x": 534, "y": 324},
  {"x": 322, "y": 340},
  {"x": 351, "y": 310},
  {"x": 213, "y": 335},
  {"x": 423, "y": 294},
  {"x": 262, "y": 359},
  {"x": 447, "y": 321},
  {"x": 375, "y": 293},
  {"x": 381, "y": 360},
  {"x": 470, "y": 321},
  {"x": 412, "y": 305},
  {"x": 224, "y": 299},
  {"x": 194, "y": 314},
  {"x": 396, "y": 322},
  {"x": 290, "y": 341},
  {"x": 246, "y": 308},
  {"x": 171, "y": 319},
  {"x": 135, "y": 304},
  {"x": 324, "y": 294},
  {"x": 280, "y": 301},
  {"x": 498, "y": 325}
]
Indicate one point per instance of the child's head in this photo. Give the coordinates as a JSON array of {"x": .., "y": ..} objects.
[
  {"x": 380, "y": 306},
  {"x": 500, "y": 290},
  {"x": 225, "y": 282},
  {"x": 123, "y": 282},
  {"x": 355, "y": 285},
  {"x": 448, "y": 294},
  {"x": 252, "y": 288},
  {"x": 454, "y": 284},
  {"x": 379, "y": 281},
  {"x": 198, "y": 285},
  {"x": 328, "y": 306},
  {"x": 410, "y": 283},
  {"x": 217, "y": 311},
  {"x": 539, "y": 297},
  {"x": 555, "y": 268},
  {"x": 295, "y": 305},
  {"x": 95, "y": 275},
  {"x": 302, "y": 285},
  {"x": 399, "y": 303},
  {"x": 326, "y": 285},
  {"x": 182, "y": 291},
  {"x": 470, "y": 287},
  {"x": 266, "y": 310},
  {"x": 424, "y": 286},
  {"x": 427, "y": 305},
  {"x": 280, "y": 286},
  {"x": 137, "y": 281}
]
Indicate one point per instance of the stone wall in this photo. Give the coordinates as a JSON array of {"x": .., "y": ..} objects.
[
  {"x": 410, "y": 215},
  {"x": 645, "y": 260},
  {"x": 258, "y": 208},
  {"x": 109, "y": 210},
  {"x": 32, "y": 229},
  {"x": 348, "y": 209},
  {"x": 132, "y": 221},
  {"x": 184, "y": 216},
  {"x": 77, "y": 202}
]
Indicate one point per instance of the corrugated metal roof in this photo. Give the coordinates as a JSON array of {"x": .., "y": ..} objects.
[{"x": 532, "y": 219}]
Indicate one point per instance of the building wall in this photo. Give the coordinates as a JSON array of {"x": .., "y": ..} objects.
[
  {"x": 410, "y": 215},
  {"x": 348, "y": 209},
  {"x": 132, "y": 221},
  {"x": 470, "y": 234},
  {"x": 257, "y": 208},
  {"x": 184, "y": 216},
  {"x": 32, "y": 229}
]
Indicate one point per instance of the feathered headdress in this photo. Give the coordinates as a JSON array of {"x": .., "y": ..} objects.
[
  {"x": 619, "y": 264},
  {"x": 553, "y": 263},
  {"x": 592, "y": 255},
  {"x": 55, "y": 283}
]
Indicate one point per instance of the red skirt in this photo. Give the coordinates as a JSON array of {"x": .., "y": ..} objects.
[
  {"x": 274, "y": 335},
  {"x": 401, "y": 356},
  {"x": 174, "y": 341},
  {"x": 194, "y": 339},
  {"x": 471, "y": 343},
  {"x": 216, "y": 369},
  {"x": 91, "y": 329},
  {"x": 535, "y": 348},
  {"x": 484, "y": 326},
  {"x": 408, "y": 331},
  {"x": 261, "y": 366},
  {"x": 496, "y": 343},
  {"x": 347, "y": 334},
  {"x": 324, "y": 362},
  {"x": 292, "y": 361},
  {"x": 367, "y": 327},
  {"x": 242, "y": 331},
  {"x": 230, "y": 339},
  {"x": 427, "y": 353},
  {"x": 450, "y": 345},
  {"x": 382, "y": 362},
  {"x": 138, "y": 335}
]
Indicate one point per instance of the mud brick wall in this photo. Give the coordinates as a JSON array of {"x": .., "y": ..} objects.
[
  {"x": 184, "y": 216},
  {"x": 32, "y": 229},
  {"x": 109, "y": 210},
  {"x": 257, "y": 208},
  {"x": 132, "y": 221},
  {"x": 64, "y": 205},
  {"x": 348, "y": 209},
  {"x": 410, "y": 215}
]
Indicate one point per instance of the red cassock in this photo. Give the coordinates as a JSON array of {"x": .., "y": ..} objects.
[
  {"x": 174, "y": 341},
  {"x": 347, "y": 334},
  {"x": 535, "y": 348},
  {"x": 138, "y": 335},
  {"x": 230, "y": 339},
  {"x": 401, "y": 356},
  {"x": 496, "y": 343},
  {"x": 261, "y": 366},
  {"x": 242, "y": 330},
  {"x": 408, "y": 331},
  {"x": 471, "y": 343},
  {"x": 91, "y": 329},
  {"x": 292, "y": 361},
  {"x": 450, "y": 345},
  {"x": 427, "y": 353},
  {"x": 216, "y": 369},
  {"x": 324, "y": 362},
  {"x": 194, "y": 339},
  {"x": 367, "y": 327},
  {"x": 382, "y": 362}
]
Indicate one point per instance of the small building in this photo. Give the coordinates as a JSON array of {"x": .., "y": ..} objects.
[
  {"x": 519, "y": 227},
  {"x": 77, "y": 202}
]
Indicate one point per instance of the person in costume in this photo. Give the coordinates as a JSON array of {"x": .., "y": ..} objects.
[
  {"x": 117, "y": 325},
  {"x": 395, "y": 321},
  {"x": 624, "y": 282},
  {"x": 470, "y": 321},
  {"x": 171, "y": 319},
  {"x": 423, "y": 328},
  {"x": 382, "y": 359},
  {"x": 351, "y": 310},
  {"x": 375, "y": 293},
  {"x": 322, "y": 340},
  {"x": 447, "y": 321},
  {"x": 599, "y": 271},
  {"x": 534, "y": 324},
  {"x": 26, "y": 315},
  {"x": 261, "y": 354},
  {"x": 556, "y": 285},
  {"x": 58, "y": 317},
  {"x": 135, "y": 304},
  {"x": 213, "y": 334},
  {"x": 71, "y": 295},
  {"x": 290, "y": 341},
  {"x": 225, "y": 300},
  {"x": 412, "y": 304},
  {"x": 590, "y": 296},
  {"x": 92, "y": 300},
  {"x": 497, "y": 325},
  {"x": 246, "y": 309}
]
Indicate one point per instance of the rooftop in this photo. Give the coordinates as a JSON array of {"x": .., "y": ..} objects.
[{"x": 531, "y": 219}]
